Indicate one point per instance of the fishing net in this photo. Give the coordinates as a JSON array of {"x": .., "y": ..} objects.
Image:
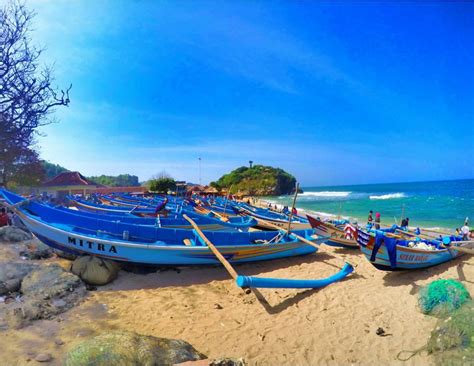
[
  {"x": 452, "y": 340},
  {"x": 95, "y": 271},
  {"x": 442, "y": 297}
]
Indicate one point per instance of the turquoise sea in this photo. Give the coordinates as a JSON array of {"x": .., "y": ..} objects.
[{"x": 442, "y": 204}]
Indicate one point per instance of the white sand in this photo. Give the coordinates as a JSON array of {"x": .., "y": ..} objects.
[{"x": 335, "y": 325}]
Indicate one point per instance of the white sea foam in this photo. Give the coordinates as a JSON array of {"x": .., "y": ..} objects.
[
  {"x": 388, "y": 196},
  {"x": 325, "y": 194}
]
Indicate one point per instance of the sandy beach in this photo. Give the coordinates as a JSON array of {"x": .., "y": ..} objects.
[{"x": 334, "y": 325}]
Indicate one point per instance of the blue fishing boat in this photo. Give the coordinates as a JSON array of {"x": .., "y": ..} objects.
[
  {"x": 391, "y": 251},
  {"x": 275, "y": 218},
  {"x": 340, "y": 233},
  {"x": 235, "y": 222},
  {"x": 125, "y": 242},
  {"x": 173, "y": 220}
]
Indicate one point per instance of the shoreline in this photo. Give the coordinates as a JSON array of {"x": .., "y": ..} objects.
[{"x": 264, "y": 202}]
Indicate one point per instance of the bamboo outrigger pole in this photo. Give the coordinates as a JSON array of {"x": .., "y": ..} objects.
[
  {"x": 403, "y": 214},
  {"x": 213, "y": 248},
  {"x": 293, "y": 207},
  {"x": 300, "y": 238}
]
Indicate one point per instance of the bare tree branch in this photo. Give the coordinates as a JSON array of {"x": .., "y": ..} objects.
[{"x": 27, "y": 94}]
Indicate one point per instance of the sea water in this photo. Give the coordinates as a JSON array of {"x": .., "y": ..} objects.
[{"x": 441, "y": 204}]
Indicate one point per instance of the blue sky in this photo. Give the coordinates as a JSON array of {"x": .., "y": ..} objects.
[{"x": 335, "y": 93}]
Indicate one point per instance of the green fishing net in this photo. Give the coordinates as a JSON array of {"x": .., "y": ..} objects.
[
  {"x": 442, "y": 297},
  {"x": 452, "y": 340}
]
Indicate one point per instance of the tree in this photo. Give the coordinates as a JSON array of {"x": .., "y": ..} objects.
[
  {"x": 162, "y": 185},
  {"x": 122, "y": 180},
  {"x": 27, "y": 97},
  {"x": 52, "y": 170},
  {"x": 161, "y": 182}
]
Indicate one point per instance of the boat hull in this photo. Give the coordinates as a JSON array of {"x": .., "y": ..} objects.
[
  {"x": 156, "y": 253},
  {"x": 406, "y": 258},
  {"x": 336, "y": 236}
]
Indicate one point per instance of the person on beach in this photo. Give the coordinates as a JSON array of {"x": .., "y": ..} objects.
[
  {"x": 370, "y": 218},
  {"x": 294, "y": 211},
  {"x": 465, "y": 232},
  {"x": 3, "y": 217},
  {"x": 10, "y": 215},
  {"x": 377, "y": 220},
  {"x": 405, "y": 223}
]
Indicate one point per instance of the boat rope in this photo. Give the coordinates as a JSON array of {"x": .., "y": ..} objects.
[{"x": 411, "y": 353}]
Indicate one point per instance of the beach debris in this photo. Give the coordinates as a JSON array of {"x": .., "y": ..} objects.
[
  {"x": 218, "y": 306},
  {"x": 452, "y": 340},
  {"x": 94, "y": 270},
  {"x": 43, "y": 357},
  {"x": 442, "y": 297},
  {"x": 13, "y": 234},
  {"x": 130, "y": 348},
  {"x": 228, "y": 362},
  {"x": 381, "y": 332},
  {"x": 47, "y": 291}
]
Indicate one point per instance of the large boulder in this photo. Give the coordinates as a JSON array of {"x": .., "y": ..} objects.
[
  {"x": 50, "y": 281},
  {"x": 36, "y": 250},
  {"x": 47, "y": 291},
  {"x": 11, "y": 275},
  {"x": 13, "y": 234},
  {"x": 94, "y": 270},
  {"x": 122, "y": 348}
]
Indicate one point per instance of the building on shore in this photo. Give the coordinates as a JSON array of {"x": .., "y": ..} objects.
[{"x": 75, "y": 183}]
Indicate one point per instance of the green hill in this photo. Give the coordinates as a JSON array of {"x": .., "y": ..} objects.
[
  {"x": 122, "y": 180},
  {"x": 258, "y": 180},
  {"x": 52, "y": 170}
]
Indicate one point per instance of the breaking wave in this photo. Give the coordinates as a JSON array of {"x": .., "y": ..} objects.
[
  {"x": 325, "y": 194},
  {"x": 387, "y": 196}
]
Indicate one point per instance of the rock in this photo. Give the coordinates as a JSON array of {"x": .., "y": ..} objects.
[
  {"x": 218, "y": 306},
  {"x": 90, "y": 287},
  {"x": 381, "y": 332},
  {"x": 14, "y": 234},
  {"x": 129, "y": 348},
  {"x": 59, "y": 303},
  {"x": 37, "y": 250},
  {"x": 49, "y": 281},
  {"x": 48, "y": 291},
  {"x": 228, "y": 362},
  {"x": 95, "y": 270},
  {"x": 11, "y": 275},
  {"x": 205, "y": 362},
  {"x": 59, "y": 342},
  {"x": 43, "y": 357},
  {"x": 65, "y": 255}
]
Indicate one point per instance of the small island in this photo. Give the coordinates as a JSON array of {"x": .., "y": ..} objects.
[{"x": 257, "y": 180}]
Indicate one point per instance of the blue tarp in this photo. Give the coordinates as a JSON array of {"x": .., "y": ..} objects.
[{"x": 390, "y": 244}]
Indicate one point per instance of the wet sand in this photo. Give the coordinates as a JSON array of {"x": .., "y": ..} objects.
[{"x": 334, "y": 325}]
